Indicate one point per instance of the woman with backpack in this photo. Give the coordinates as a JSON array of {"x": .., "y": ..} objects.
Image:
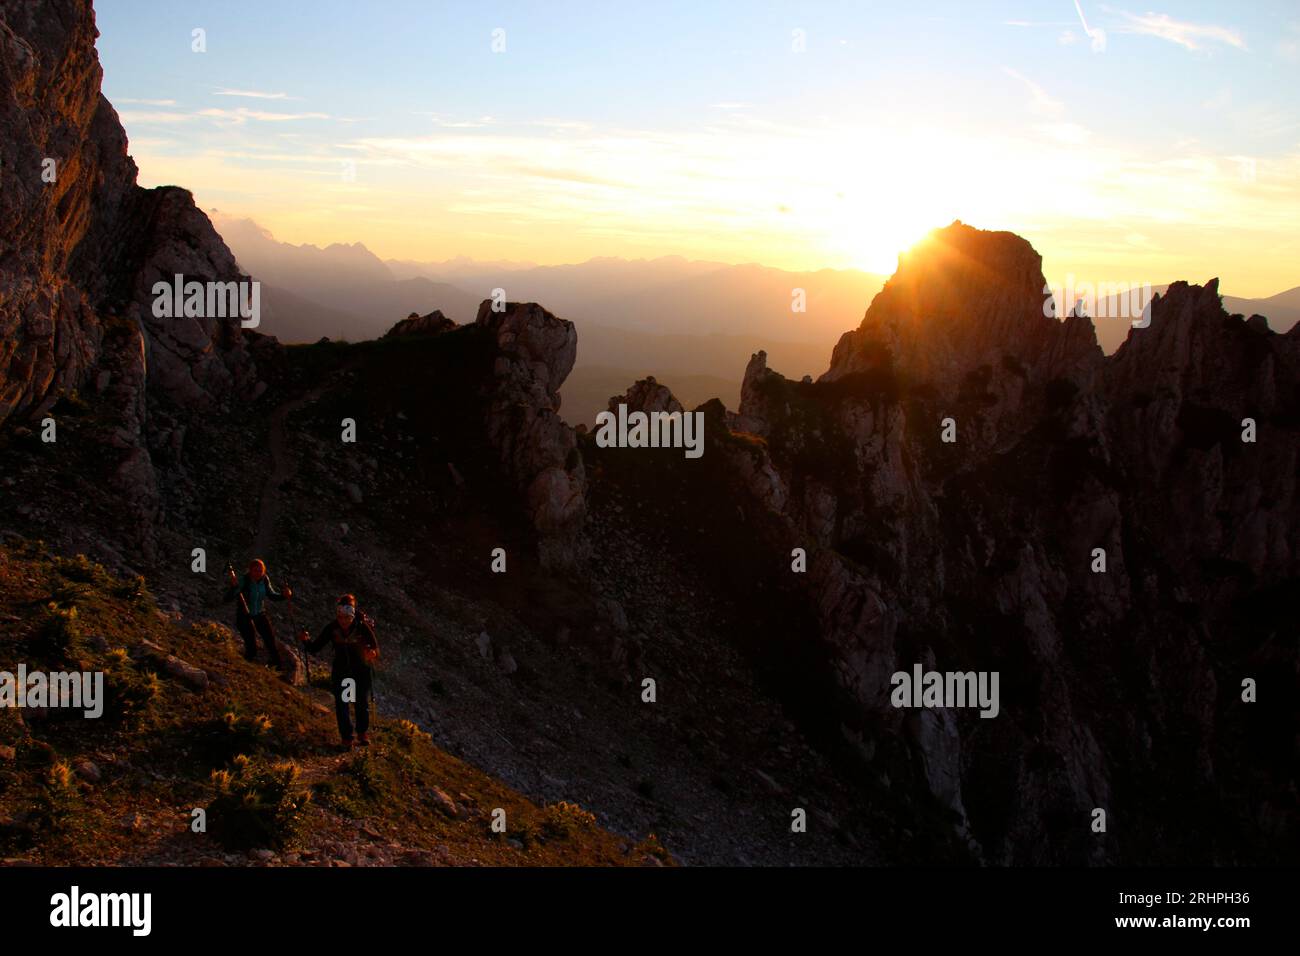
[
  {"x": 355, "y": 649},
  {"x": 253, "y": 589}
]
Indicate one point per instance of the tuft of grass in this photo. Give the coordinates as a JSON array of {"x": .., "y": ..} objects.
[
  {"x": 211, "y": 632},
  {"x": 651, "y": 846},
  {"x": 257, "y": 804},
  {"x": 81, "y": 569},
  {"x": 130, "y": 691},
  {"x": 134, "y": 589},
  {"x": 235, "y": 733},
  {"x": 58, "y": 802},
  {"x": 59, "y": 635},
  {"x": 407, "y": 734},
  {"x": 566, "y": 820}
]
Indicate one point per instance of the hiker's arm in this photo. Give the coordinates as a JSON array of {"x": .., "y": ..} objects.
[
  {"x": 233, "y": 589},
  {"x": 371, "y": 642},
  {"x": 271, "y": 592},
  {"x": 320, "y": 641}
]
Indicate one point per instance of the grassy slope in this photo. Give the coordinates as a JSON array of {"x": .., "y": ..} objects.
[{"x": 158, "y": 744}]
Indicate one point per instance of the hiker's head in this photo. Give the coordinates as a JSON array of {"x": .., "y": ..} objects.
[
  {"x": 346, "y": 610},
  {"x": 257, "y": 569}
]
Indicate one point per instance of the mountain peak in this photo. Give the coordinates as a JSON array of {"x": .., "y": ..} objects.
[{"x": 962, "y": 297}]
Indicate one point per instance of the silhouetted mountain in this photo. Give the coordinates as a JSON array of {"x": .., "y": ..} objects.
[
  {"x": 456, "y": 269},
  {"x": 676, "y": 296},
  {"x": 687, "y": 362},
  {"x": 687, "y": 321},
  {"x": 587, "y": 390},
  {"x": 1113, "y": 321},
  {"x": 340, "y": 291},
  {"x": 1281, "y": 310},
  {"x": 980, "y": 489},
  {"x": 291, "y": 318}
]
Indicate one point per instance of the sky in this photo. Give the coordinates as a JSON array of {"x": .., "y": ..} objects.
[{"x": 1129, "y": 144}]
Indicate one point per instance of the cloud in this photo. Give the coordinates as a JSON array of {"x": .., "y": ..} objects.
[
  {"x": 255, "y": 94},
  {"x": 243, "y": 114},
  {"x": 1040, "y": 101},
  {"x": 441, "y": 119},
  {"x": 562, "y": 126},
  {"x": 136, "y": 102},
  {"x": 151, "y": 117},
  {"x": 1095, "y": 34},
  {"x": 1192, "y": 36}
]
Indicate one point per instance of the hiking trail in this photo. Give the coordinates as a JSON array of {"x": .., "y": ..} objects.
[{"x": 282, "y": 468}]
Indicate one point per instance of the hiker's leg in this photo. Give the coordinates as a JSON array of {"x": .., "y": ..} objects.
[
  {"x": 341, "y": 708},
  {"x": 245, "y": 625},
  {"x": 264, "y": 628},
  {"x": 363, "y": 701}
]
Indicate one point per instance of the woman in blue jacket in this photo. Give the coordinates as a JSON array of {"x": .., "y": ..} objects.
[{"x": 253, "y": 590}]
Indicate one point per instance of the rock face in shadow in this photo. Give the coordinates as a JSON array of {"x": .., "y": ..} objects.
[
  {"x": 535, "y": 352},
  {"x": 646, "y": 395},
  {"x": 1121, "y": 688},
  {"x": 415, "y": 324},
  {"x": 81, "y": 246}
]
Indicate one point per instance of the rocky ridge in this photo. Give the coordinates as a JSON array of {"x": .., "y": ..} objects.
[{"x": 979, "y": 553}]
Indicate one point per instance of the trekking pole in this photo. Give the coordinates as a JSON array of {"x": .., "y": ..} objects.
[
  {"x": 243, "y": 601},
  {"x": 293, "y": 625},
  {"x": 374, "y": 707},
  {"x": 243, "y": 604}
]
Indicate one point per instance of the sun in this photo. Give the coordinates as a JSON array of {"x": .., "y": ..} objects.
[
  {"x": 877, "y": 229},
  {"x": 881, "y": 251}
]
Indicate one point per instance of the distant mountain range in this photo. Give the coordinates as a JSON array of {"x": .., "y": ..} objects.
[
  {"x": 676, "y": 296},
  {"x": 339, "y": 291},
  {"x": 689, "y": 322},
  {"x": 692, "y": 323}
]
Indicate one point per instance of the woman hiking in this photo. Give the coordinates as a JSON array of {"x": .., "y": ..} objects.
[
  {"x": 355, "y": 649},
  {"x": 251, "y": 619}
]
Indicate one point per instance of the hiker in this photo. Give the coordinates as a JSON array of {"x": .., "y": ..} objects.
[
  {"x": 251, "y": 619},
  {"x": 355, "y": 649}
]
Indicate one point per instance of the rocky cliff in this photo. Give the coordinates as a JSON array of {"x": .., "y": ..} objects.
[
  {"x": 535, "y": 352},
  {"x": 953, "y": 476},
  {"x": 81, "y": 246}
]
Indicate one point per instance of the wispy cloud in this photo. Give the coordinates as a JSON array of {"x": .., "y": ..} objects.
[
  {"x": 243, "y": 114},
  {"x": 443, "y": 120},
  {"x": 238, "y": 116},
  {"x": 255, "y": 94},
  {"x": 136, "y": 102},
  {"x": 1191, "y": 36},
  {"x": 153, "y": 117},
  {"x": 558, "y": 126},
  {"x": 1040, "y": 100}
]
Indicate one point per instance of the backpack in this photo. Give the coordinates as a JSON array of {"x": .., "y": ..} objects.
[{"x": 369, "y": 622}]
